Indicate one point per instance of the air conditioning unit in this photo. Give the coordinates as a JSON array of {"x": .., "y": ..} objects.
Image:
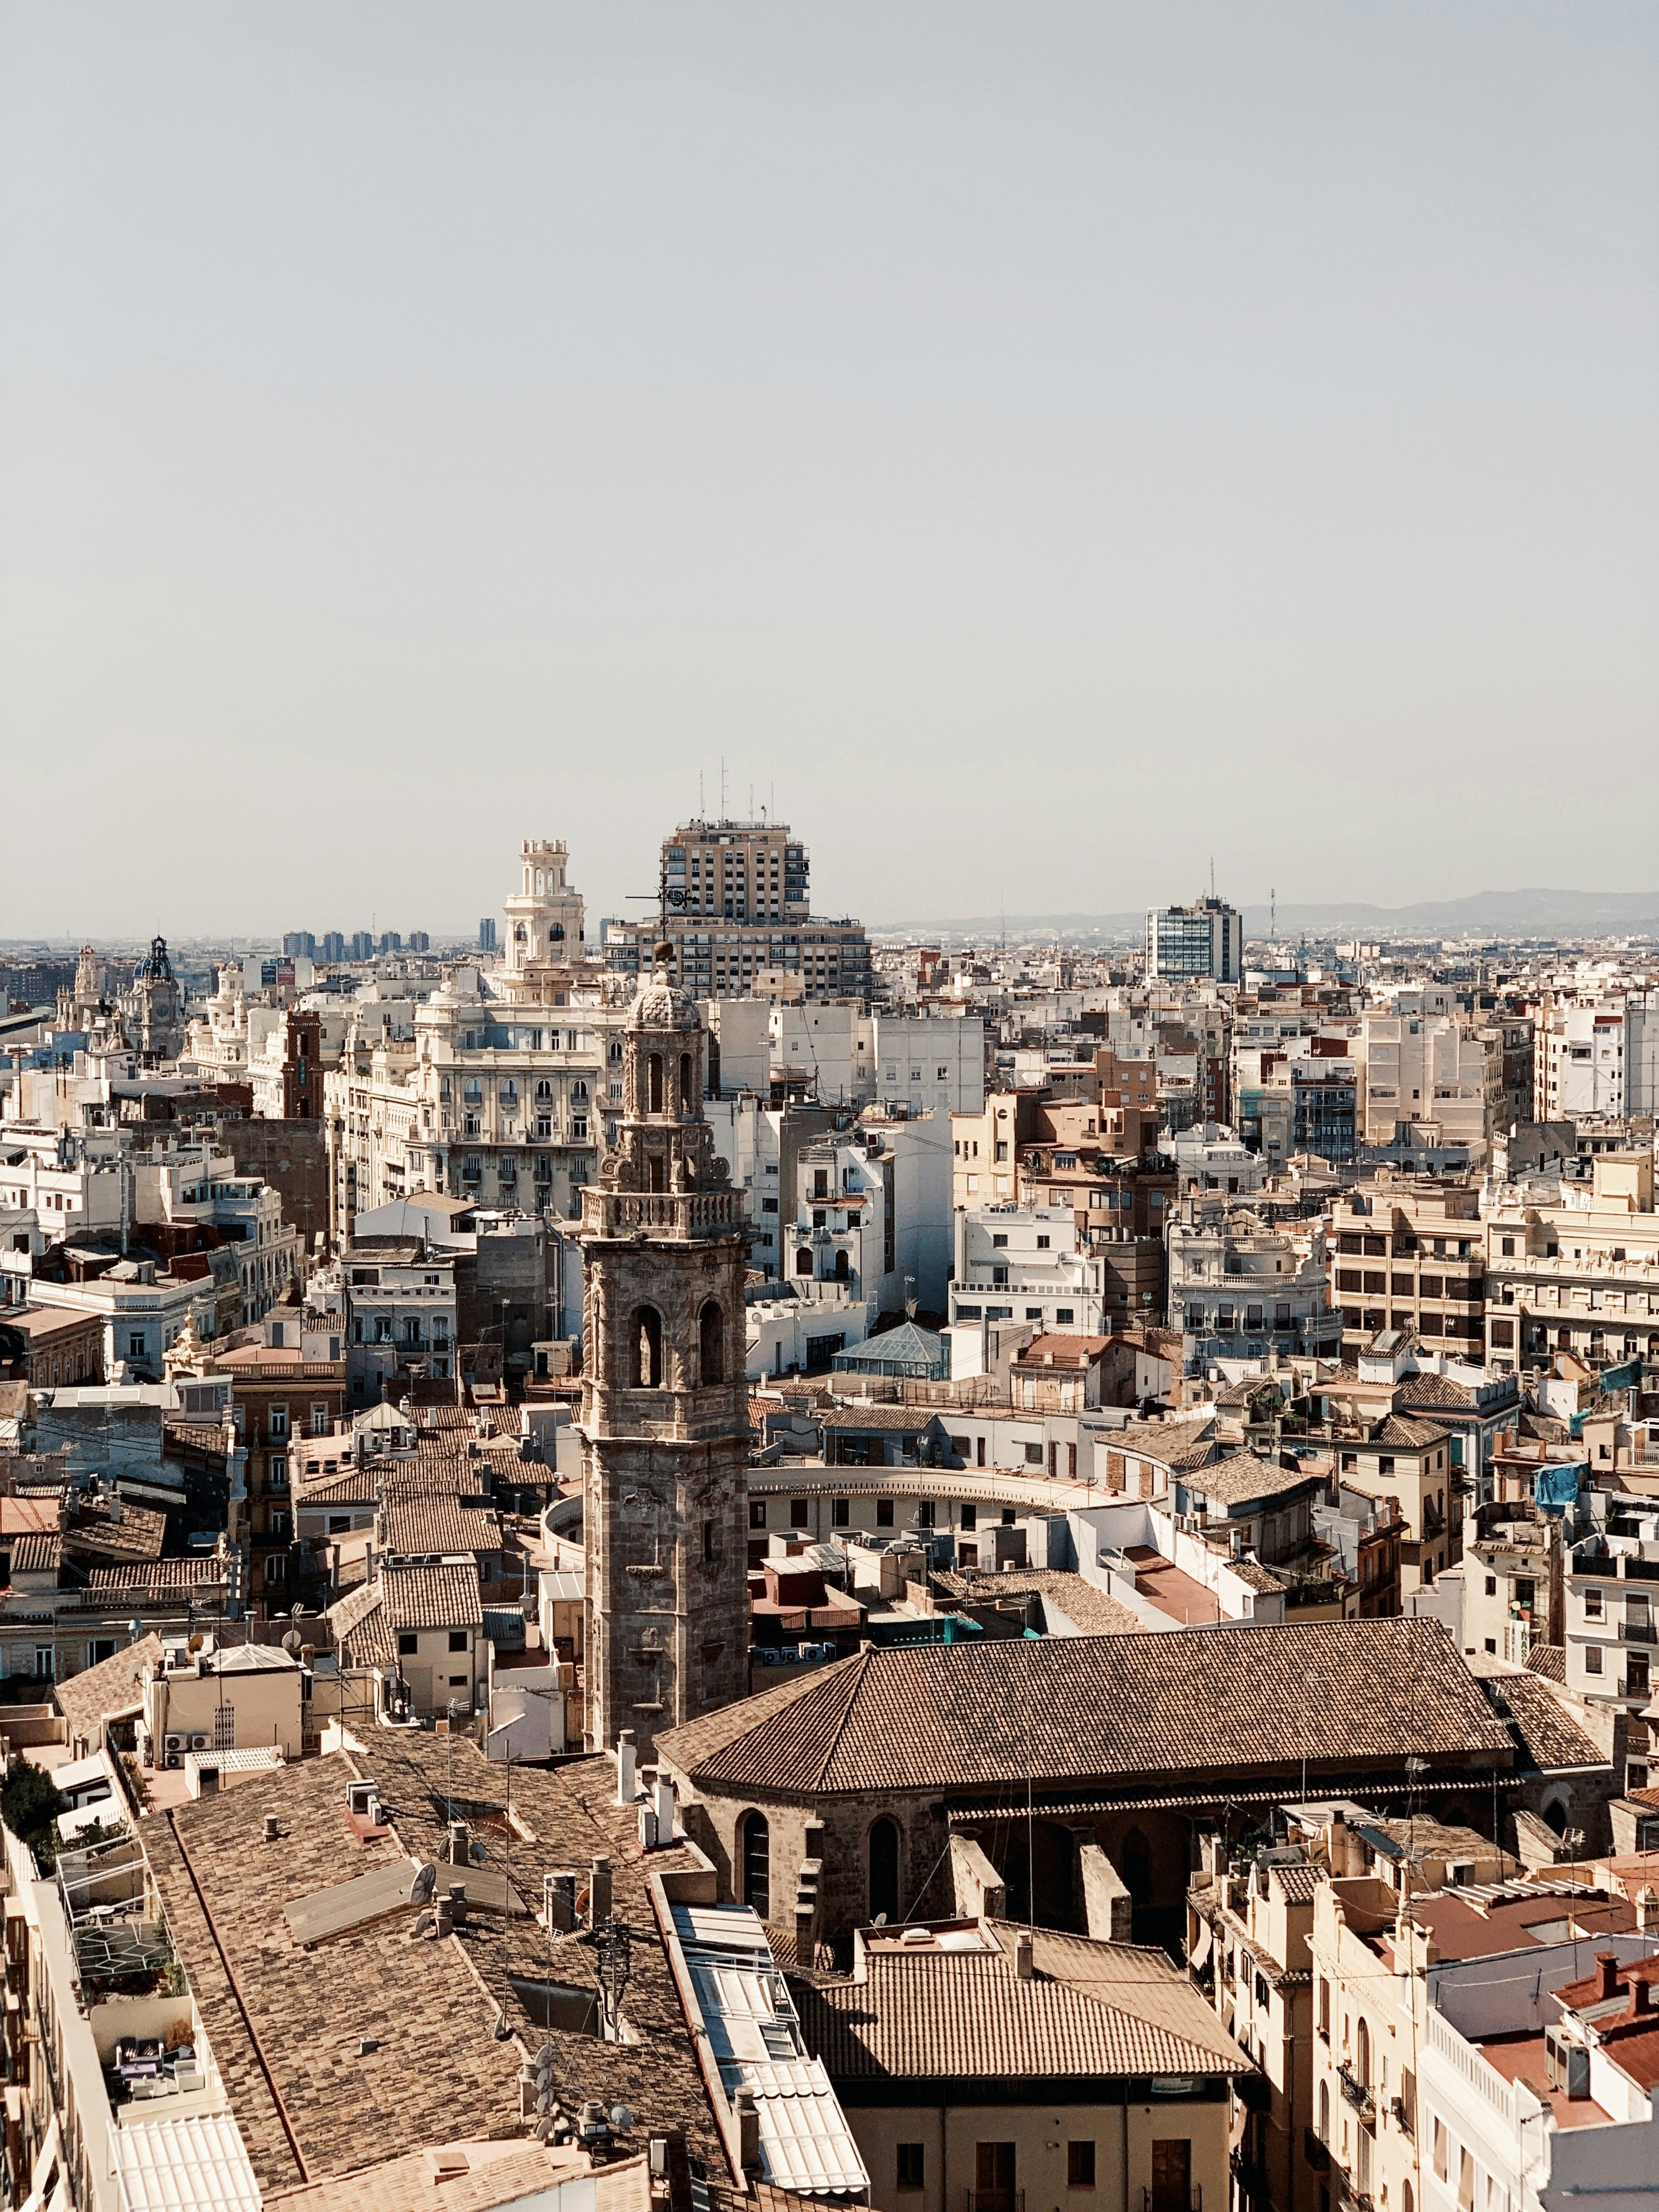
[
  {"x": 179, "y": 1743},
  {"x": 201, "y": 1741},
  {"x": 1566, "y": 2062},
  {"x": 175, "y": 1759}
]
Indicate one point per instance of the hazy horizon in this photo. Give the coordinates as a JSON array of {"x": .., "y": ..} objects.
[{"x": 1040, "y": 453}]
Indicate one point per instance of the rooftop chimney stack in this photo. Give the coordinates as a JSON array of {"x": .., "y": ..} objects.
[
  {"x": 626, "y": 1779},
  {"x": 1025, "y": 1970}
]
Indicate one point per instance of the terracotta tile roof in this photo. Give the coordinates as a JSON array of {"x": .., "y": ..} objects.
[
  {"x": 1403, "y": 1434},
  {"x": 1159, "y": 1439},
  {"x": 965, "y": 2015},
  {"x": 437, "y": 2070},
  {"x": 503, "y": 2173},
  {"x": 196, "y": 1436},
  {"x": 1245, "y": 1477},
  {"x": 1099, "y": 1708},
  {"x": 1434, "y": 1390},
  {"x": 93, "y": 1533},
  {"x": 887, "y": 1421},
  {"x": 439, "y": 1522},
  {"x": 159, "y": 1579},
  {"x": 1546, "y": 1731},
  {"x": 399, "y": 1597},
  {"x": 37, "y": 1553},
  {"x": 1549, "y": 1660},
  {"x": 113, "y": 1686},
  {"x": 358, "y": 1486}
]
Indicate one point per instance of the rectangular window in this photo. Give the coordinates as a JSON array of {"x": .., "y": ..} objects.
[
  {"x": 1080, "y": 2165},
  {"x": 409, "y": 1643},
  {"x": 757, "y": 1512},
  {"x": 1034, "y": 1455},
  {"x": 1592, "y": 1658},
  {"x": 1593, "y": 1607},
  {"x": 971, "y": 1518},
  {"x": 841, "y": 1512},
  {"x": 458, "y": 1639},
  {"x": 801, "y": 1513},
  {"x": 276, "y": 1421},
  {"x": 912, "y": 2166},
  {"x": 883, "y": 1513}
]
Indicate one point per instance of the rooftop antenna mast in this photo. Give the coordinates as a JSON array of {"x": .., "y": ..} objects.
[
  {"x": 1273, "y": 915},
  {"x": 722, "y": 787}
]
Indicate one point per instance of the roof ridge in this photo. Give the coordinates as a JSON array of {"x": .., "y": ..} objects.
[{"x": 856, "y": 1683}]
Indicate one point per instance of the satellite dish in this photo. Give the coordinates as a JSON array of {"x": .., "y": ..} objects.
[
  {"x": 425, "y": 1881},
  {"x": 881, "y": 1920},
  {"x": 544, "y": 2055},
  {"x": 543, "y": 2129},
  {"x": 423, "y": 1922},
  {"x": 544, "y": 2102},
  {"x": 621, "y": 2119},
  {"x": 291, "y": 1643},
  {"x": 543, "y": 2077},
  {"x": 196, "y": 1642}
]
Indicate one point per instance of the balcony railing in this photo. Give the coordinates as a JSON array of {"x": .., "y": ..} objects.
[
  {"x": 1635, "y": 1686},
  {"x": 1317, "y": 2153},
  {"x": 1358, "y": 2094}
]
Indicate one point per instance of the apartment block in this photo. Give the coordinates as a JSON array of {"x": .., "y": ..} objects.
[{"x": 1410, "y": 1255}]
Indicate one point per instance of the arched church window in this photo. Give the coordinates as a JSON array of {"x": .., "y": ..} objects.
[
  {"x": 711, "y": 1342},
  {"x": 685, "y": 1098},
  {"x": 654, "y": 1082},
  {"x": 755, "y": 1859},
  {"x": 647, "y": 1349},
  {"x": 884, "y": 1870},
  {"x": 579, "y": 1092},
  {"x": 544, "y": 1091}
]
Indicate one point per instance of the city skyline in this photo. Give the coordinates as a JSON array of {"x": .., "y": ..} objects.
[{"x": 974, "y": 432}]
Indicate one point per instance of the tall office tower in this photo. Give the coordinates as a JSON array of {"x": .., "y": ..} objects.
[
  {"x": 299, "y": 942},
  {"x": 487, "y": 934},
  {"x": 735, "y": 905},
  {"x": 1185, "y": 942},
  {"x": 334, "y": 946}
]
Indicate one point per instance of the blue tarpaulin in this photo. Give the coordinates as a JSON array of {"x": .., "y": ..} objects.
[{"x": 1557, "y": 1485}]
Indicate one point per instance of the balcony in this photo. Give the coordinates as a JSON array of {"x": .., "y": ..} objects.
[
  {"x": 1317, "y": 2153},
  {"x": 1358, "y": 2094},
  {"x": 1635, "y": 1686},
  {"x": 1636, "y": 1631}
]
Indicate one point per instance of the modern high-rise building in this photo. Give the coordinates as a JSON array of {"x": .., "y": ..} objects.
[
  {"x": 735, "y": 905},
  {"x": 487, "y": 934},
  {"x": 300, "y": 942},
  {"x": 1186, "y": 942},
  {"x": 334, "y": 946},
  {"x": 391, "y": 940},
  {"x": 419, "y": 941},
  {"x": 363, "y": 945}
]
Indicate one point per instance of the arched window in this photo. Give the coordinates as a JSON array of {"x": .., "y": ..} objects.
[
  {"x": 804, "y": 1260},
  {"x": 843, "y": 1266},
  {"x": 1363, "y": 2052},
  {"x": 555, "y": 935},
  {"x": 544, "y": 1091},
  {"x": 614, "y": 1055},
  {"x": 754, "y": 1862},
  {"x": 884, "y": 1870},
  {"x": 579, "y": 1093},
  {"x": 472, "y": 1092},
  {"x": 1324, "y": 2112},
  {"x": 1555, "y": 1816},
  {"x": 685, "y": 1101},
  {"x": 711, "y": 1342},
  {"x": 647, "y": 1348},
  {"x": 1407, "y": 2200},
  {"x": 654, "y": 1082}
]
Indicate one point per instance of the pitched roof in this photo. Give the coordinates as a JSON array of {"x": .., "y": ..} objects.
[
  {"x": 935, "y": 2013},
  {"x": 1548, "y": 1660},
  {"x": 406, "y": 1597},
  {"x": 1227, "y": 1700},
  {"x": 36, "y": 1553},
  {"x": 159, "y": 1577},
  {"x": 1403, "y": 1434},
  {"x": 1435, "y": 1390},
  {"x": 866, "y": 1418},
  {"x": 1089, "y": 1610},
  {"x": 113, "y": 1686},
  {"x": 439, "y": 1522},
  {"x": 1246, "y": 1476},
  {"x": 1546, "y": 1731}
]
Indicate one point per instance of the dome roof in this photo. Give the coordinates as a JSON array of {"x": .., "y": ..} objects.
[{"x": 659, "y": 1003}]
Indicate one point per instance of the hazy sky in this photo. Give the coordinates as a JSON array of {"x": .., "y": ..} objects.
[{"x": 1045, "y": 445}]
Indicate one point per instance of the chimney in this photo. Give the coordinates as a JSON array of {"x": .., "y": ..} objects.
[
  {"x": 1647, "y": 1911},
  {"x": 749, "y": 2157},
  {"x": 1606, "y": 1974},
  {"x": 599, "y": 1890},
  {"x": 664, "y": 1808},
  {"x": 1641, "y": 1997},
  {"x": 1023, "y": 1970},
  {"x": 627, "y": 1782},
  {"x": 458, "y": 1853}
]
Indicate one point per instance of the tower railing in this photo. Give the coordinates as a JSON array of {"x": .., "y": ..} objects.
[{"x": 676, "y": 1213}]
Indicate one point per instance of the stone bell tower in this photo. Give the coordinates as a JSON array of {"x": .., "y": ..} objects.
[{"x": 664, "y": 1421}]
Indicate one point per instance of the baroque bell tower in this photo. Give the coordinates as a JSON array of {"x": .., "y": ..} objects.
[{"x": 664, "y": 1421}]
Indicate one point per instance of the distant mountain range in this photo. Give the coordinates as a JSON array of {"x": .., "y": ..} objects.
[{"x": 1495, "y": 914}]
